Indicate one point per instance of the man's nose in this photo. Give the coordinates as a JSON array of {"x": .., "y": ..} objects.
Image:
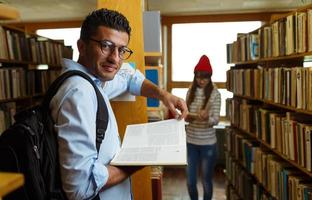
[{"x": 114, "y": 54}]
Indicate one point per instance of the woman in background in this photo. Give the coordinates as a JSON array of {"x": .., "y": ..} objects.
[{"x": 203, "y": 101}]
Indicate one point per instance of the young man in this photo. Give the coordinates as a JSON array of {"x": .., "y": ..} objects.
[{"x": 102, "y": 46}]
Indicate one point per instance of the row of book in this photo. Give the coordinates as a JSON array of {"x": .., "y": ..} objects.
[
  {"x": 288, "y": 133},
  {"x": 286, "y": 36},
  {"x": 280, "y": 179},
  {"x": 287, "y": 86},
  {"x": 18, "y": 46},
  {"x": 7, "y": 112},
  {"x": 17, "y": 82},
  {"x": 239, "y": 145},
  {"x": 243, "y": 184}
]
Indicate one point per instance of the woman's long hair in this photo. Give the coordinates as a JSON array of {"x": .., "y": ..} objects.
[{"x": 207, "y": 90}]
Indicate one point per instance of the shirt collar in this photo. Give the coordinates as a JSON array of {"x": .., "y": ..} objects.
[{"x": 69, "y": 64}]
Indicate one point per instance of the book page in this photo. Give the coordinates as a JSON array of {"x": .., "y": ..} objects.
[{"x": 155, "y": 143}]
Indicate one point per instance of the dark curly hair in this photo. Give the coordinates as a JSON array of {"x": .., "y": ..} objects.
[{"x": 103, "y": 17}]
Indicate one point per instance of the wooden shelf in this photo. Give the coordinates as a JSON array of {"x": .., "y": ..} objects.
[
  {"x": 154, "y": 108},
  {"x": 152, "y": 54},
  {"x": 16, "y": 99},
  {"x": 298, "y": 56},
  {"x": 152, "y": 58},
  {"x": 267, "y": 146},
  {"x": 29, "y": 64},
  {"x": 266, "y": 191},
  {"x": 307, "y": 112},
  {"x": 10, "y": 182},
  {"x": 229, "y": 184},
  {"x": 153, "y": 66},
  {"x": 246, "y": 71},
  {"x": 24, "y": 98},
  {"x": 15, "y": 62}
]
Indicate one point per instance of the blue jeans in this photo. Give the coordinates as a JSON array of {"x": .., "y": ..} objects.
[{"x": 200, "y": 157}]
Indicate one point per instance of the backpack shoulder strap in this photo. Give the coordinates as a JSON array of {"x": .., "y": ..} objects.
[{"x": 102, "y": 112}]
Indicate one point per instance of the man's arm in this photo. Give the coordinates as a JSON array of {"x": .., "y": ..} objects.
[
  {"x": 119, "y": 174},
  {"x": 151, "y": 90}
]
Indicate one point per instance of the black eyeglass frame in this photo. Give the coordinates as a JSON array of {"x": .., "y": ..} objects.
[{"x": 112, "y": 47}]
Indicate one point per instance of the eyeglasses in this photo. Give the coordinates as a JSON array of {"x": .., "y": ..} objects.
[{"x": 108, "y": 47}]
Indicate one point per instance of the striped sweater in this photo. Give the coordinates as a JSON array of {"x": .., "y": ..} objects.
[{"x": 201, "y": 132}]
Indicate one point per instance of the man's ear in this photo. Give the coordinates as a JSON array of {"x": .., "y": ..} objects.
[{"x": 81, "y": 46}]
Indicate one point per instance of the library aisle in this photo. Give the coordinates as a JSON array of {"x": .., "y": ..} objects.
[{"x": 174, "y": 185}]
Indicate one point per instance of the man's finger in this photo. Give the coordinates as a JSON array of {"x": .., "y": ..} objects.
[{"x": 183, "y": 109}]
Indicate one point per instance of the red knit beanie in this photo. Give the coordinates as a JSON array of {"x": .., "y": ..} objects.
[{"x": 203, "y": 65}]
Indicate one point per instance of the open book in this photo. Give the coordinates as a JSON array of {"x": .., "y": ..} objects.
[{"x": 155, "y": 143}]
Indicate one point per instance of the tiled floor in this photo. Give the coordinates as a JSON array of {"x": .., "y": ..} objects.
[{"x": 174, "y": 185}]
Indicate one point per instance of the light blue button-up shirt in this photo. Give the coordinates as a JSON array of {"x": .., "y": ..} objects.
[{"x": 83, "y": 170}]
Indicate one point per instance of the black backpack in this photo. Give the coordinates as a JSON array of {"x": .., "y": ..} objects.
[{"x": 30, "y": 146}]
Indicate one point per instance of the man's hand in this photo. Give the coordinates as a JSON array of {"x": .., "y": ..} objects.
[
  {"x": 174, "y": 103},
  {"x": 119, "y": 174}
]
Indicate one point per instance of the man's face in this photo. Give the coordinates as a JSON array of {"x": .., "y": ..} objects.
[{"x": 102, "y": 62}]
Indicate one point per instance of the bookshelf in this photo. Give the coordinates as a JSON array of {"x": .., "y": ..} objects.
[
  {"x": 155, "y": 112},
  {"x": 28, "y": 65},
  {"x": 153, "y": 61},
  {"x": 153, "y": 58},
  {"x": 269, "y": 141},
  {"x": 154, "y": 72}
]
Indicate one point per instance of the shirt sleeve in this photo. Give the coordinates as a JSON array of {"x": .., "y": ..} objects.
[
  {"x": 125, "y": 81},
  {"x": 214, "y": 112},
  {"x": 73, "y": 109}
]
